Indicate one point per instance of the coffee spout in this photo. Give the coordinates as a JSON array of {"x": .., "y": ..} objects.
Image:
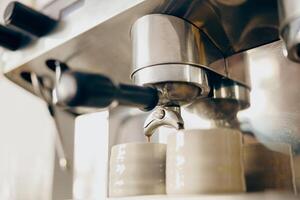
[{"x": 163, "y": 116}]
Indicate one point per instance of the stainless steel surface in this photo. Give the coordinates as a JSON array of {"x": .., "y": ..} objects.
[
  {"x": 274, "y": 114},
  {"x": 155, "y": 75},
  {"x": 62, "y": 184},
  {"x": 177, "y": 93},
  {"x": 111, "y": 31},
  {"x": 66, "y": 88},
  {"x": 211, "y": 113},
  {"x": 289, "y": 10},
  {"x": 163, "y": 42},
  {"x": 95, "y": 41},
  {"x": 167, "y": 49},
  {"x": 289, "y": 14},
  {"x": 45, "y": 94},
  {"x": 234, "y": 92},
  {"x": 237, "y": 67},
  {"x": 163, "y": 116},
  {"x": 164, "y": 39},
  {"x": 55, "y": 87}
]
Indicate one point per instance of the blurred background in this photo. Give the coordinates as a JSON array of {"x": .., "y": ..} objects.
[{"x": 25, "y": 140}]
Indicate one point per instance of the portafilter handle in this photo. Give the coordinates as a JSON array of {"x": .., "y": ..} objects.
[{"x": 78, "y": 89}]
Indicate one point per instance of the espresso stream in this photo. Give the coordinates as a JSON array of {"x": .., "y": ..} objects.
[{"x": 148, "y": 138}]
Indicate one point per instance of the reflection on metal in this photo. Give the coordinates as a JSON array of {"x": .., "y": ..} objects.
[
  {"x": 167, "y": 48},
  {"x": 164, "y": 39},
  {"x": 232, "y": 91},
  {"x": 211, "y": 113},
  {"x": 237, "y": 67},
  {"x": 187, "y": 74},
  {"x": 289, "y": 13},
  {"x": 168, "y": 53},
  {"x": 215, "y": 19},
  {"x": 163, "y": 116},
  {"x": 274, "y": 114},
  {"x": 172, "y": 54},
  {"x": 45, "y": 94},
  {"x": 102, "y": 44}
]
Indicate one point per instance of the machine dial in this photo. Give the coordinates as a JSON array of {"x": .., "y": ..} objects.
[
  {"x": 11, "y": 39},
  {"x": 28, "y": 19}
]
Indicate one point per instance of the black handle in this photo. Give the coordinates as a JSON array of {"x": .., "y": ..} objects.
[
  {"x": 52, "y": 64},
  {"x": 27, "y": 19},
  {"x": 94, "y": 90},
  {"x": 11, "y": 39}
]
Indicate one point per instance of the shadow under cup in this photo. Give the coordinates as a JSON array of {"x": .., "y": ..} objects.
[
  {"x": 137, "y": 169},
  {"x": 205, "y": 162}
]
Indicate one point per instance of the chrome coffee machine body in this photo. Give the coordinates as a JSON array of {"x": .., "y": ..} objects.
[
  {"x": 180, "y": 63},
  {"x": 202, "y": 64},
  {"x": 184, "y": 65}
]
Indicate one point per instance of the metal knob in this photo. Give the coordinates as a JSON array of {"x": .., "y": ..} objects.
[
  {"x": 11, "y": 39},
  {"x": 28, "y": 19}
]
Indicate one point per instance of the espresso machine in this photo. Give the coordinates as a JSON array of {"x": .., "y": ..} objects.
[{"x": 158, "y": 64}]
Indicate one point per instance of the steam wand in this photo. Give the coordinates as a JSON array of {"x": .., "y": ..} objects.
[{"x": 59, "y": 147}]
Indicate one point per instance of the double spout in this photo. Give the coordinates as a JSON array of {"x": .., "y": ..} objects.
[{"x": 163, "y": 116}]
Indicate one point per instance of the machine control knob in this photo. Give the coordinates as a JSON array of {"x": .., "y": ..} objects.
[
  {"x": 11, "y": 39},
  {"x": 28, "y": 19}
]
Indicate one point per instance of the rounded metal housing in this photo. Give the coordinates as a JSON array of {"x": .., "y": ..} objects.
[
  {"x": 175, "y": 57},
  {"x": 179, "y": 73},
  {"x": 168, "y": 49},
  {"x": 234, "y": 92},
  {"x": 163, "y": 39}
]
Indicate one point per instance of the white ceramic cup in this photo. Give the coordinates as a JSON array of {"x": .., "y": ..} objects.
[
  {"x": 205, "y": 162},
  {"x": 137, "y": 169}
]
